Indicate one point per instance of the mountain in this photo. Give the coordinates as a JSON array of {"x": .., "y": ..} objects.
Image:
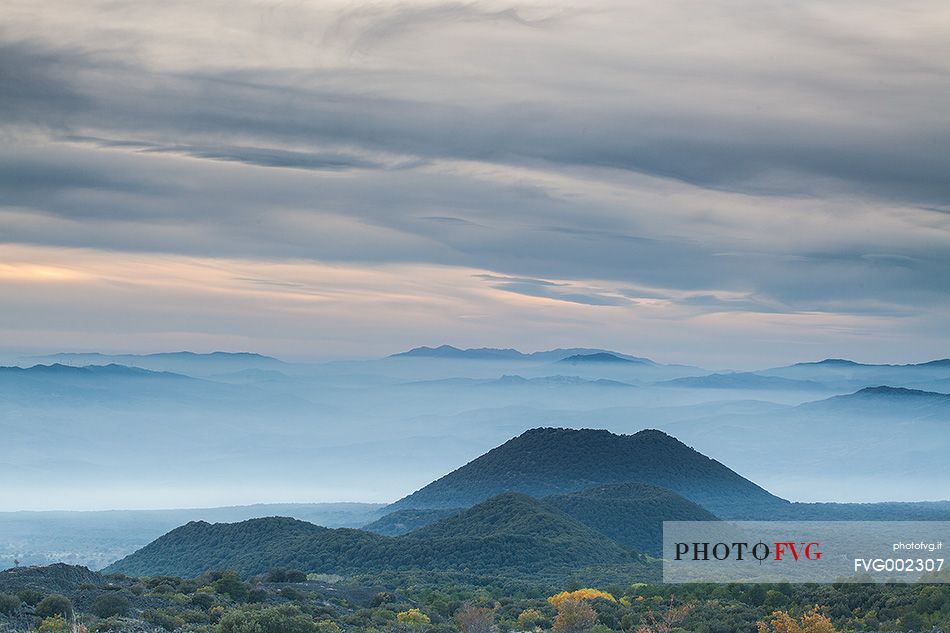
[
  {"x": 514, "y": 380},
  {"x": 404, "y": 521},
  {"x": 630, "y": 514},
  {"x": 199, "y": 546},
  {"x": 492, "y": 353},
  {"x": 843, "y": 374},
  {"x": 112, "y": 370},
  {"x": 58, "y": 577},
  {"x": 508, "y": 535},
  {"x": 885, "y": 401},
  {"x": 448, "y": 351},
  {"x": 547, "y": 461},
  {"x": 189, "y": 363},
  {"x": 602, "y": 358},
  {"x": 742, "y": 380},
  {"x": 49, "y": 384},
  {"x": 96, "y": 539}
]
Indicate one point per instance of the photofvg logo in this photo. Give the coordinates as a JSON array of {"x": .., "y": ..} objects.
[
  {"x": 804, "y": 551},
  {"x": 740, "y": 551}
]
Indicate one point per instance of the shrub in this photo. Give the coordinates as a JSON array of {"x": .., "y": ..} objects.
[
  {"x": 530, "y": 619},
  {"x": 574, "y": 616},
  {"x": 158, "y": 617},
  {"x": 9, "y": 604},
  {"x": 31, "y": 597},
  {"x": 54, "y": 624},
  {"x": 258, "y": 595},
  {"x": 292, "y": 594},
  {"x": 230, "y": 585},
  {"x": 282, "y": 619},
  {"x": 202, "y": 600},
  {"x": 111, "y": 604},
  {"x": 109, "y": 624},
  {"x": 472, "y": 619},
  {"x": 579, "y": 595},
  {"x": 194, "y": 616},
  {"x": 381, "y": 598},
  {"x": 54, "y": 604},
  {"x": 811, "y": 622},
  {"x": 285, "y": 575},
  {"x": 413, "y": 618}
]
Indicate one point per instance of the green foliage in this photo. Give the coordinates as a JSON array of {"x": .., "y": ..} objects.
[
  {"x": 53, "y": 624},
  {"x": 9, "y": 605},
  {"x": 530, "y": 619},
  {"x": 328, "y": 626},
  {"x": 162, "y": 618},
  {"x": 510, "y": 535},
  {"x": 291, "y": 594},
  {"x": 31, "y": 597},
  {"x": 630, "y": 513},
  {"x": 111, "y": 604},
  {"x": 285, "y": 575},
  {"x": 54, "y": 604},
  {"x": 282, "y": 619},
  {"x": 230, "y": 584},
  {"x": 202, "y": 600},
  {"x": 547, "y": 461}
]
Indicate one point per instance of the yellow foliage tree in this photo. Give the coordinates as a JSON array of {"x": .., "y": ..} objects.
[
  {"x": 579, "y": 596},
  {"x": 413, "y": 618},
  {"x": 811, "y": 622}
]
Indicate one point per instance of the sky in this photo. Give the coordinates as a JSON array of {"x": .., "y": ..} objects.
[{"x": 720, "y": 182}]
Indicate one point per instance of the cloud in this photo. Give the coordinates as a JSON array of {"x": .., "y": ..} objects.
[
  {"x": 730, "y": 157},
  {"x": 572, "y": 293}
]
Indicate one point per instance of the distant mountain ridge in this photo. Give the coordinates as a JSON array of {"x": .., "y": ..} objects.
[
  {"x": 112, "y": 370},
  {"x": 604, "y": 357},
  {"x": 546, "y": 461},
  {"x": 844, "y": 362},
  {"x": 189, "y": 363},
  {"x": 742, "y": 380},
  {"x": 492, "y": 353},
  {"x": 182, "y": 354}
]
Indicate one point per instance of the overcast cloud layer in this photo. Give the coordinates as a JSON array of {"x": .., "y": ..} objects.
[{"x": 721, "y": 182}]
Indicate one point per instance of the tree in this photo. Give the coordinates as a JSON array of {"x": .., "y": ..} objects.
[
  {"x": 811, "y": 622},
  {"x": 31, "y": 597},
  {"x": 413, "y": 618},
  {"x": 530, "y": 619},
  {"x": 230, "y": 585},
  {"x": 283, "y": 619},
  {"x": 54, "y": 604},
  {"x": 9, "y": 604},
  {"x": 579, "y": 595},
  {"x": 574, "y": 616},
  {"x": 472, "y": 619},
  {"x": 54, "y": 624},
  {"x": 285, "y": 575},
  {"x": 110, "y": 604},
  {"x": 666, "y": 622}
]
